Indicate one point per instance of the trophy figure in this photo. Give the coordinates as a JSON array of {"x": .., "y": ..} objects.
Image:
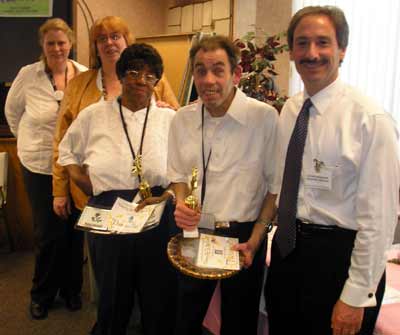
[
  {"x": 137, "y": 166},
  {"x": 191, "y": 200},
  {"x": 144, "y": 187}
]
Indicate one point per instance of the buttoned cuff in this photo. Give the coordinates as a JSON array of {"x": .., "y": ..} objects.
[
  {"x": 274, "y": 188},
  {"x": 358, "y": 296},
  {"x": 60, "y": 193},
  {"x": 67, "y": 161},
  {"x": 60, "y": 187}
]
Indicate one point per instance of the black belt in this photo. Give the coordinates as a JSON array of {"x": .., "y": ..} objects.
[
  {"x": 221, "y": 225},
  {"x": 310, "y": 227},
  {"x": 241, "y": 230}
]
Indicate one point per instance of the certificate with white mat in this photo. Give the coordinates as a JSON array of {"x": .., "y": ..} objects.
[{"x": 215, "y": 252}]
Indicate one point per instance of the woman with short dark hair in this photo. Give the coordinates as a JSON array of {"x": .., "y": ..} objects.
[{"x": 99, "y": 150}]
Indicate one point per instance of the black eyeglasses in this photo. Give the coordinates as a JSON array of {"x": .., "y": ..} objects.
[{"x": 137, "y": 75}]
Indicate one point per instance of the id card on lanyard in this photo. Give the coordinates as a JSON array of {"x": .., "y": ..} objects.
[{"x": 320, "y": 177}]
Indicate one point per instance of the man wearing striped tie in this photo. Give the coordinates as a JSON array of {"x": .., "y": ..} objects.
[{"x": 338, "y": 168}]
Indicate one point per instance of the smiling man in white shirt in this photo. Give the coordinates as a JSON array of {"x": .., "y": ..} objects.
[
  {"x": 230, "y": 138},
  {"x": 331, "y": 278}
]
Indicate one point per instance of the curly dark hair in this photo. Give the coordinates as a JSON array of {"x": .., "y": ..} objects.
[{"x": 136, "y": 56}]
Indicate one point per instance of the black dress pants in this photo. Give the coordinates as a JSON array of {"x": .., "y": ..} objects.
[
  {"x": 124, "y": 264},
  {"x": 58, "y": 246},
  {"x": 240, "y": 294},
  {"x": 302, "y": 289}
]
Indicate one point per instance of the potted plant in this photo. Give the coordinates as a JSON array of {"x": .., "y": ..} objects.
[{"x": 257, "y": 62}]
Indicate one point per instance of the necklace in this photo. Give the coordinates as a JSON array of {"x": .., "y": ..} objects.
[
  {"x": 58, "y": 94},
  {"x": 136, "y": 159},
  {"x": 103, "y": 85}
]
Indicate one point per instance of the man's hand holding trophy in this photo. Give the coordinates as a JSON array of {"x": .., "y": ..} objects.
[
  {"x": 187, "y": 213},
  {"x": 192, "y": 202}
]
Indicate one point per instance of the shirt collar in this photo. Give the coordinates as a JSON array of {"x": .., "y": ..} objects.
[
  {"x": 139, "y": 115},
  {"x": 41, "y": 67},
  {"x": 237, "y": 110},
  {"x": 322, "y": 100}
]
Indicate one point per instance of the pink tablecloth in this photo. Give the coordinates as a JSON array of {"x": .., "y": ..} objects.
[
  {"x": 212, "y": 321},
  {"x": 388, "y": 322}
]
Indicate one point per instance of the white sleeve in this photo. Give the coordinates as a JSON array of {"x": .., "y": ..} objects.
[
  {"x": 376, "y": 212},
  {"x": 15, "y": 102},
  {"x": 175, "y": 163},
  {"x": 270, "y": 143},
  {"x": 72, "y": 148}
]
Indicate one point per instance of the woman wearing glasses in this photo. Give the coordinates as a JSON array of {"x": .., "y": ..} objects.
[
  {"x": 99, "y": 150},
  {"x": 108, "y": 37},
  {"x": 31, "y": 109}
]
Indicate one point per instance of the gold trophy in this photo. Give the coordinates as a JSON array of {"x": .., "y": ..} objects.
[
  {"x": 191, "y": 200},
  {"x": 144, "y": 187}
]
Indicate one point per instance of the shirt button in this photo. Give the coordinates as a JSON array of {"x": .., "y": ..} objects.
[{"x": 370, "y": 295}]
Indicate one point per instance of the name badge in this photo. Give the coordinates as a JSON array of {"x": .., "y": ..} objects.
[{"x": 320, "y": 177}]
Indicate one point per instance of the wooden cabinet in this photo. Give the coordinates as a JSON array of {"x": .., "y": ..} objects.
[
  {"x": 174, "y": 50},
  {"x": 18, "y": 210}
]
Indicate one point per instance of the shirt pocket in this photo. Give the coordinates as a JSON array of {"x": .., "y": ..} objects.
[
  {"x": 344, "y": 178},
  {"x": 248, "y": 179}
]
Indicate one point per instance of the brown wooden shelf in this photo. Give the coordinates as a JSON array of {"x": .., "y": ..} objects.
[{"x": 18, "y": 210}]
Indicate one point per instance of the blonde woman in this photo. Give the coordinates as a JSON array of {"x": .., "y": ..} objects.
[{"x": 32, "y": 106}]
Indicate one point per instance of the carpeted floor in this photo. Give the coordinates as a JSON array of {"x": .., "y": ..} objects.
[
  {"x": 16, "y": 270},
  {"x": 15, "y": 282}
]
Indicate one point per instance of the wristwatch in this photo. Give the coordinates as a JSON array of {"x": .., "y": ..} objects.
[{"x": 266, "y": 223}]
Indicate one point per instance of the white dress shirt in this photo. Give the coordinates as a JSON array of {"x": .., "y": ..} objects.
[
  {"x": 31, "y": 110},
  {"x": 241, "y": 165},
  {"x": 96, "y": 139},
  {"x": 358, "y": 143}
]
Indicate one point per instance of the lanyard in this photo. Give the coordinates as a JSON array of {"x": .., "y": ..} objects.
[
  {"x": 127, "y": 135},
  {"x": 205, "y": 164},
  {"x": 58, "y": 94}
]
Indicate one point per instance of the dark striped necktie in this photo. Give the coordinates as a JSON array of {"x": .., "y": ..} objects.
[{"x": 285, "y": 236}]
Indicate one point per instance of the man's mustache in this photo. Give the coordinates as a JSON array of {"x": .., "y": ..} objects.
[{"x": 313, "y": 61}]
